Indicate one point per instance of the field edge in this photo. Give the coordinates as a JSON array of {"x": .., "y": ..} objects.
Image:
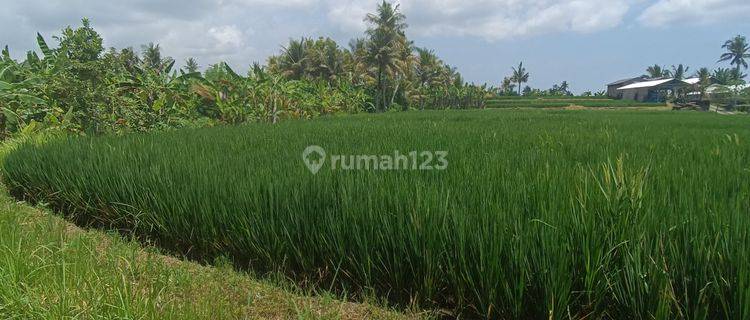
[{"x": 97, "y": 274}]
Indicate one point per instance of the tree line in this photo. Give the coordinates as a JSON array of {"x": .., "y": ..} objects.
[
  {"x": 79, "y": 86},
  {"x": 737, "y": 53}
]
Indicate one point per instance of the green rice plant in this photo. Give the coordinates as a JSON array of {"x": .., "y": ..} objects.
[
  {"x": 553, "y": 102},
  {"x": 540, "y": 214}
]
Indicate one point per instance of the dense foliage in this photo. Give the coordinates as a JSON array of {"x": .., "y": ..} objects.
[
  {"x": 645, "y": 220},
  {"x": 79, "y": 86}
]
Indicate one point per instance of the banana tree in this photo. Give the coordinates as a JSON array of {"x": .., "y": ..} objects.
[
  {"x": 156, "y": 97},
  {"x": 20, "y": 104}
]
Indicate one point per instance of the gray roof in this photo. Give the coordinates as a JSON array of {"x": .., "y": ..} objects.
[{"x": 618, "y": 82}]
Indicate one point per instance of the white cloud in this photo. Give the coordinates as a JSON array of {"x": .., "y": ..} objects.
[
  {"x": 242, "y": 31},
  {"x": 665, "y": 12},
  {"x": 492, "y": 19},
  {"x": 229, "y": 36}
]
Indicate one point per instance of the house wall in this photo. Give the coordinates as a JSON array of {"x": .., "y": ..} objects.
[
  {"x": 612, "y": 92},
  {"x": 639, "y": 94}
]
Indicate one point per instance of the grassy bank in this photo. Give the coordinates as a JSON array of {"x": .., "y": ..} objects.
[
  {"x": 540, "y": 213},
  {"x": 50, "y": 269}
]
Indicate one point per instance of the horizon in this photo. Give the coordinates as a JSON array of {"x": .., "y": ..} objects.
[{"x": 582, "y": 42}]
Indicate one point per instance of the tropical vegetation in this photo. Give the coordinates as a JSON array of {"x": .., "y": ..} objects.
[{"x": 79, "y": 86}]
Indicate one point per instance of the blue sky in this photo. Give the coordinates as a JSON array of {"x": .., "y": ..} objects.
[{"x": 586, "y": 42}]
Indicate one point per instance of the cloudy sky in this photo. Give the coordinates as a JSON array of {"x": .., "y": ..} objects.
[{"x": 586, "y": 42}]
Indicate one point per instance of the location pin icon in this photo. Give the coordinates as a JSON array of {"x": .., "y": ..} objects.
[{"x": 314, "y": 158}]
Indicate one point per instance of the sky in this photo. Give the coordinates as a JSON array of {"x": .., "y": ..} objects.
[{"x": 586, "y": 42}]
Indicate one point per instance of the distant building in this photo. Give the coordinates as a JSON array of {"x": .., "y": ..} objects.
[
  {"x": 612, "y": 87},
  {"x": 652, "y": 90}
]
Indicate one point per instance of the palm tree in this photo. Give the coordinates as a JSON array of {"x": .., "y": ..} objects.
[
  {"x": 385, "y": 45},
  {"x": 737, "y": 52},
  {"x": 293, "y": 60},
  {"x": 333, "y": 61},
  {"x": 722, "y": 76},
  {"x": 191, "y": 66},
  {"x": 564, "y": 87},
  {"x": 508, "y": 87},
  {"x": 737, "y": 75},
  {"x": 704, "y": 76},
  {"x": 520, "y": 76},
  {"x": 426, "y": 66},
  {"x": 657, "y": 71},
  {"x": 129, "y": 59},
  {"x": 152, "y": 58},
  {"x": 679, "y": 71},
  {"x": 356, "y": 62}
]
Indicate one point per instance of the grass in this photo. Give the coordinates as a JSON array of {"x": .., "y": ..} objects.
[
  {"x": 541, "y": 214},
  {"x": 562, "y": 102},
  {"x": 50, "y": 269}
]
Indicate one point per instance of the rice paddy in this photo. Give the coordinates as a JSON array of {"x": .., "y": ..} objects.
[
  {"x": 562, "y": 102},
  {"x": 540, "y": 214}
]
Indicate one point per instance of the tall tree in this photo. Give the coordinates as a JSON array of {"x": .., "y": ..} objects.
[
  {"x": 520, "y": 76},
  {"x": 129, "y": 59},
  {"x": 738, "y": 51},
  {"x": 386, "y": 39},
  {"x": 427, "y": 67},
  {"x": 737, "y": 76},
  {"x": 293, "y": 60},
  {"x": 83, "y": 44},
  {"x": 356, "y": 62},
  {"x": 152, "y": 58},
  {"x": 507, "y": 86},
  {"x": 679, "y": 71},
  {"x": 191, "y": 66},
  {"x": 704, "y": 76},
  {"x": 657, "y": 71},
  {"x": 563, "y": 89},
  {"x": 722, "y": 76},
  {"x": 325, "y": 60}
]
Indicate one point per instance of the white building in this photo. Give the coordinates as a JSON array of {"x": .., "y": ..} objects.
[{"x": 654, "y": 90}]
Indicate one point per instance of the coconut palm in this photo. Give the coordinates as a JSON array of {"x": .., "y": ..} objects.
[
  {"x": 191, "y": 66},
  {"x": 704, "y": 76},
  {"x": 657, "y": 71},
  {"x": 386, "y": 40},
  {"x": 293, "y": 61},
  {"x": 679, "y": 71},
  {"x": 129, "y": 59},
  {"x": 738, "y": 51},
  {"x": 324, "y": 60},
  {"x": 520, "y": 76},
  {"x": 152, "y": 57},
  {"x": 722, "y": 76},
  {"x": 426, "y": 67},
  {"x": 737, "y": 75}
]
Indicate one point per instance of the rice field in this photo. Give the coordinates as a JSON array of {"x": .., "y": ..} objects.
[
  {"x": 562, "y": 102},
  {"x": 539, "y": 214}
]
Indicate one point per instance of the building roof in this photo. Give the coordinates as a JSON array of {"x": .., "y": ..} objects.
[
  {"x": 645, "y": 84},
  {"x": 691, "y": 80},
  {"x": 625, "y": 80},
  {"x": 654, "y": 83}
]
